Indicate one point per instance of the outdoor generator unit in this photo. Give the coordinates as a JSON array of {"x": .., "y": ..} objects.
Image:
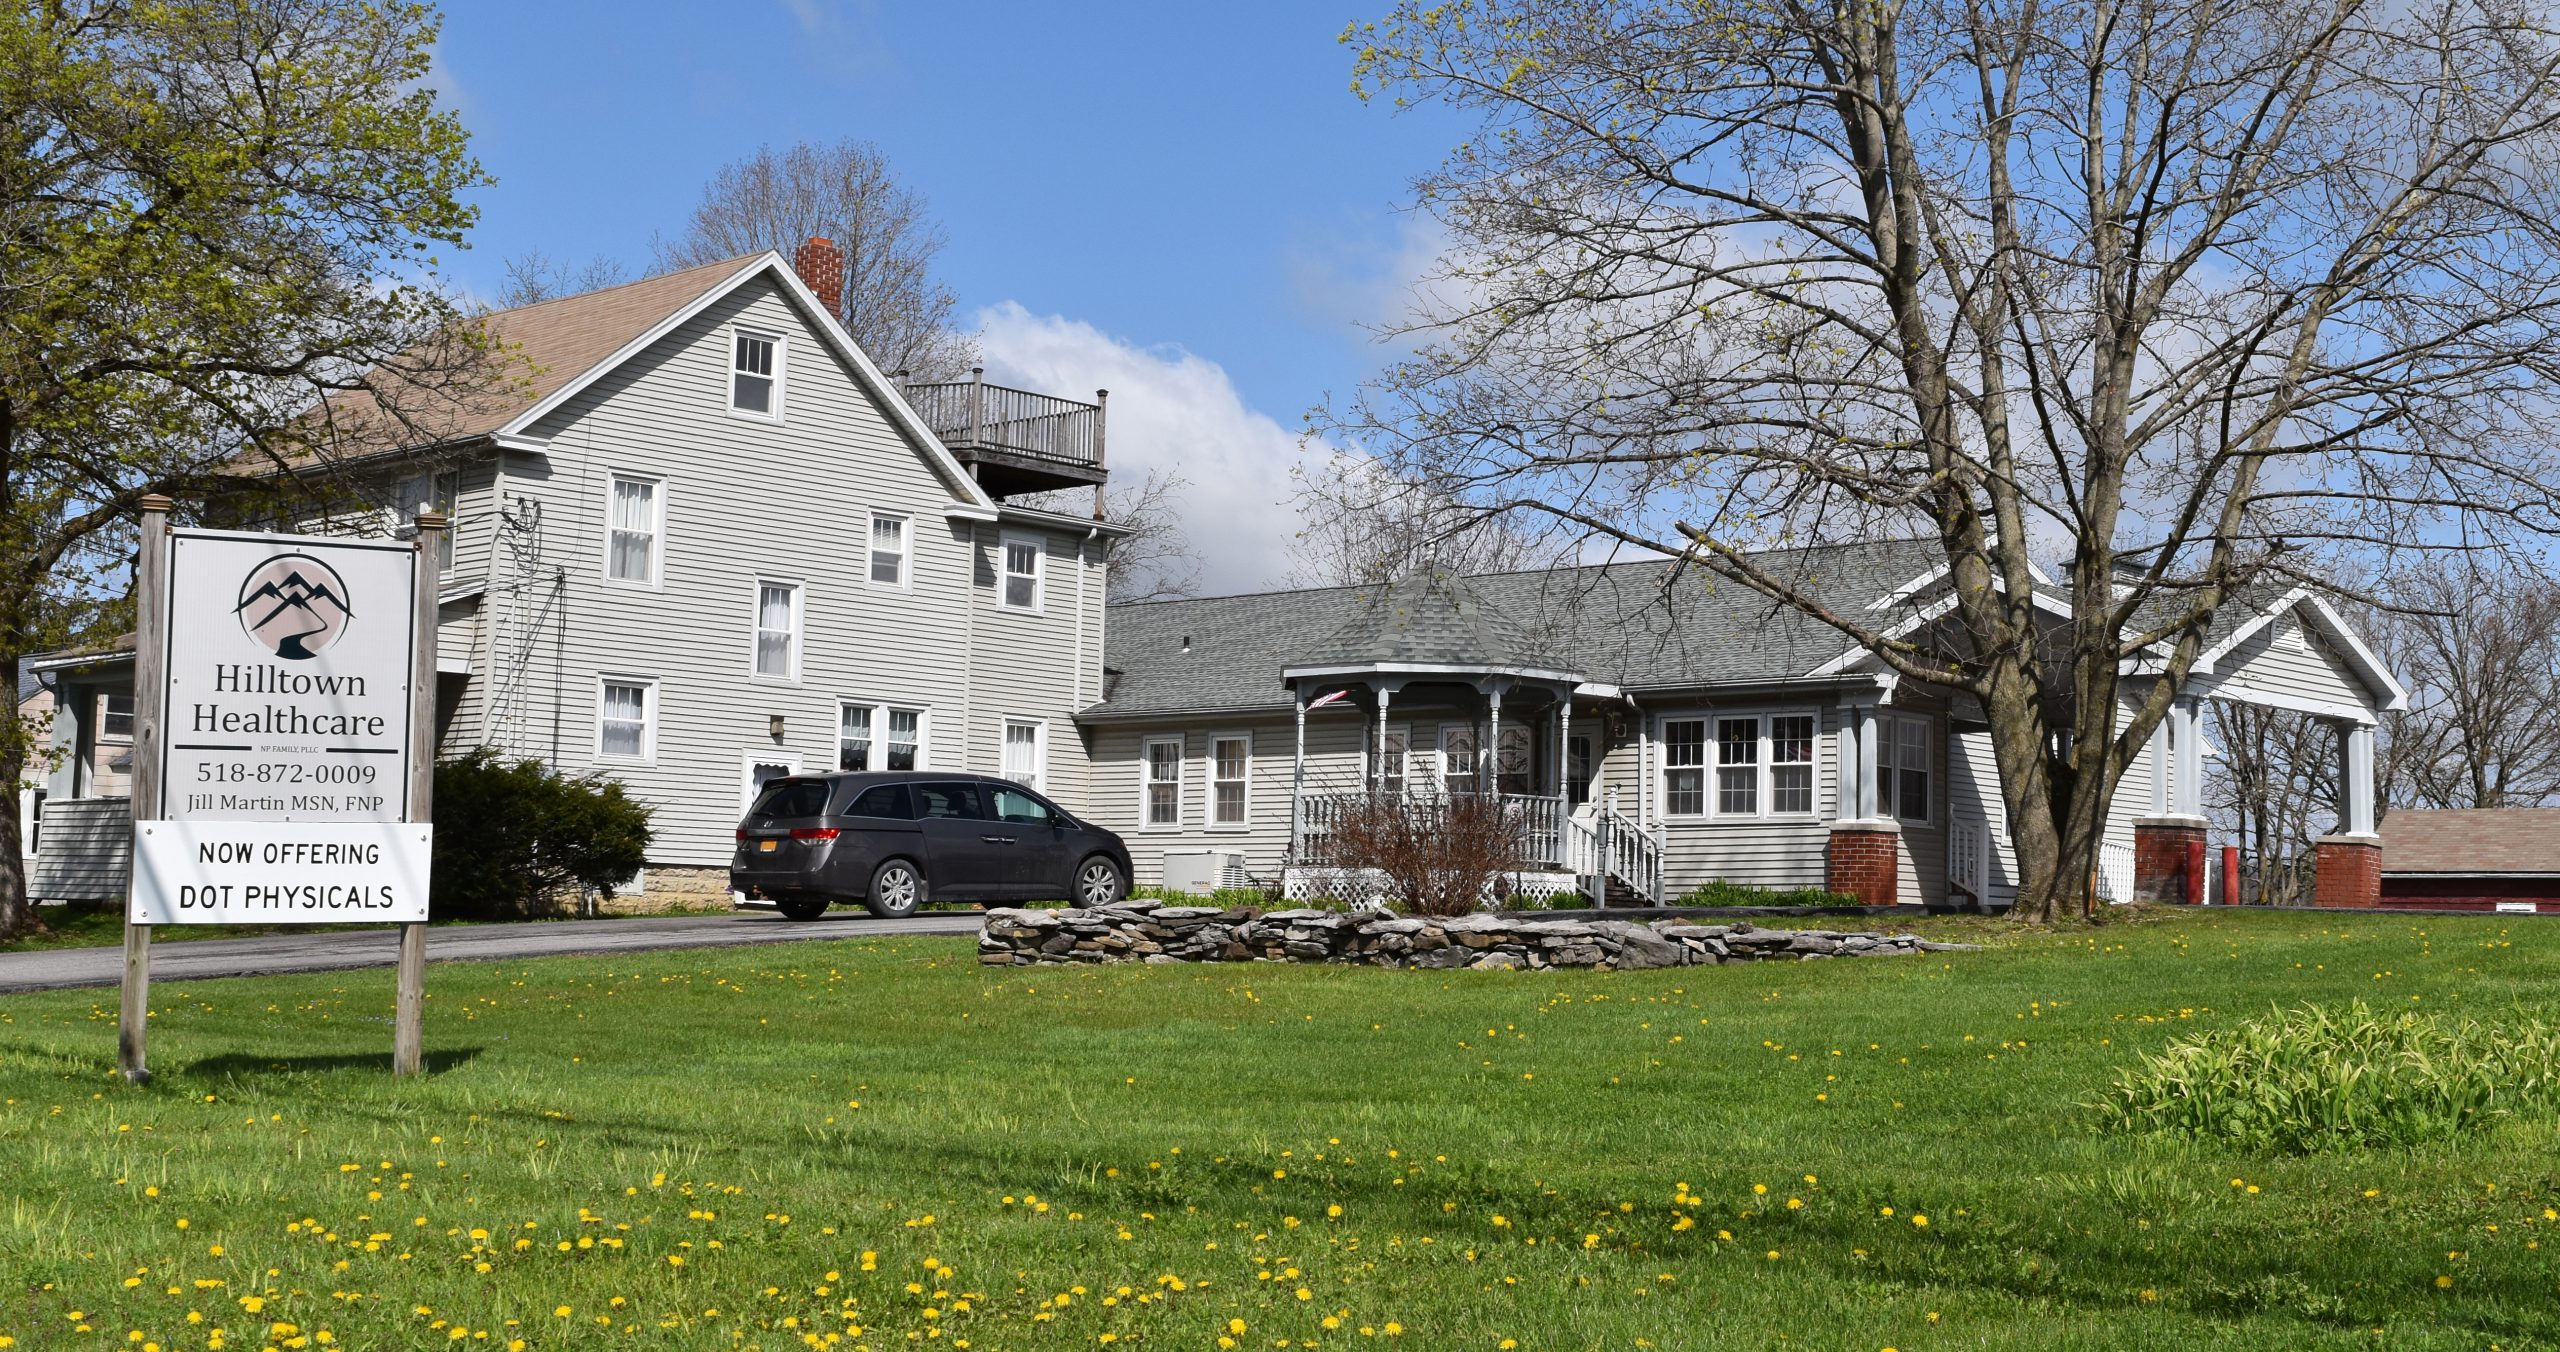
[{"x": 1202, "y": 872}]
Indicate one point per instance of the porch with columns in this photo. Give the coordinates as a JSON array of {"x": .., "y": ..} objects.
[
  {"x": 2171, "y": 841},
  {"x": 1565, "y": 828}
]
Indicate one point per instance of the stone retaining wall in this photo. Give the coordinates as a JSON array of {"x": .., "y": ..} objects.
[{"x": 1135, "y": 931}]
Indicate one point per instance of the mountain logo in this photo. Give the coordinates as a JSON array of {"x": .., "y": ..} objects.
[{"x": 294, "y": 606}]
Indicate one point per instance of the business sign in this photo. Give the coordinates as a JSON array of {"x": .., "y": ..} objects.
[
  {"x": 287, "y": 678},
  {"x": 284, "y": 713},
  {"x": 266, "y": 873}
]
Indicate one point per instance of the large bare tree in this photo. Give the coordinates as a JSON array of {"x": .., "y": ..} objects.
[
  {"x": 894, "y": 308},
  {"x": 2181, "y": 291},
  {"x": 1361, "y": 523},
  {"x": 2479, "y": 648}
]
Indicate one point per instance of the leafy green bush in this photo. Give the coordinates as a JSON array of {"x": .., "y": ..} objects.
[
  {"x": 2324, "y": 1078},
  {"x": 517, "y": 838},
  {"x": 1722, "y": 893}
]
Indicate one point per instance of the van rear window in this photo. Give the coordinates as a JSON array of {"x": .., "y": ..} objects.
[{"x": 792, "y": 798}]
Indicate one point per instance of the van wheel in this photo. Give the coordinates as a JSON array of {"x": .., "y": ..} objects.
[
  {"x": 896, "y": 890},
  {"x": 801, "y": 908},
  {"x": 1098, "y": 883}
]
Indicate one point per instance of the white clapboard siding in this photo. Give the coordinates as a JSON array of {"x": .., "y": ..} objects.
[
  {"x": 1041, "y": 666},
  {"x": 744, "y": 499},
  {"x": 85, "y": 851},
  {"x": 1775, "y": 852},
  {"x": 2287, "y": 659},
  {"x": 1335, "y": 762}
]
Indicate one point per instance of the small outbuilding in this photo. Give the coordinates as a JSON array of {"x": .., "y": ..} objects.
[{"x": 2472, "y": 859}]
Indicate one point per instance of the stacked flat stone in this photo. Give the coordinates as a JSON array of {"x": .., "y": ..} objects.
[{"x": 1147, "y": 931}]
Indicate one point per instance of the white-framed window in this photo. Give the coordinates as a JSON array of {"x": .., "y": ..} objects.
[
  {"x": 759, "y": 768},
  {"x": 1231, "y": 779},
  {"x": 1160, "y": 786},
  {"x": 1762, "y": 765},
  {"x": 755, "y": 374},
  {"x": 1791, "y": 738},
  {"x": 888, "y": 549},
  {"x": 1394, "y": 756},
  {"x": 1684, "y": 767},
  {"x": 777, "y": 644},
  {"x": 879, "y": 736},
  {"x": 1023, "y": 557},
  {"x": 1457, "y": 758},
  {"x": 1026, "y": 752},
  {"x": 627, "y": 718},
  {"x": 635, "y": 528},
  {"x": 115, "y": 718},
  {"x": 1738, "y": 767},
  {"x": 1903, "y": 767},
  {"x": 1577, "y": 769}
]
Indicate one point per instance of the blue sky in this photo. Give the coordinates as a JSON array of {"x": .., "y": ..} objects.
[{"x": 1184, "y": 203}]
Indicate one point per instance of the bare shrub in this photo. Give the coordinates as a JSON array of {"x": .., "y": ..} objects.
[{"x": 1442, "y": 854}]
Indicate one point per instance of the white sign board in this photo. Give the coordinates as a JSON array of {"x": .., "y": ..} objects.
[
  {"x": 228, "y": 873},
  {"x": 287, "y": 689}
]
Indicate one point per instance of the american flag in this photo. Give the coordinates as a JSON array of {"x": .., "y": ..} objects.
[{"x": 1335, "y": 697}]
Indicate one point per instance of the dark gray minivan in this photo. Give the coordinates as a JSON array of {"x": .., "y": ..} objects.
[{"x": 896, "y": 840}]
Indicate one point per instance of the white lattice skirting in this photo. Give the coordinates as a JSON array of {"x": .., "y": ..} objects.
[{"x": 1367, "y": 887}]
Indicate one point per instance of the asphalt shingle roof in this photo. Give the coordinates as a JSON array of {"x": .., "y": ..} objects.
[
  {"x": 559, "y": 341},
  {"x": 1637, "y": 625},
  {"x": 1428, "y": 618},
  {"x": 2460, "y": 841}
]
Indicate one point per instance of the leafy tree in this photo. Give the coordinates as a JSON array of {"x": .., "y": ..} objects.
[
  {"x": 215, "y": 215},
  {"x": 2182, "y": 292},
  {"x": 897, "y": 313},
  {"x": 517, "y": 838}
]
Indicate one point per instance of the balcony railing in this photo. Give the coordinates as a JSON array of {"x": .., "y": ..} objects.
[{"x": 1030, "y": 441}]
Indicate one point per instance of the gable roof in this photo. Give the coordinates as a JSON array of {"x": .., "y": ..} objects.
[
  {"x": 573, "y": 341},
  {"x": 1651, "y": 624},
  {"x": 2471, "y": 841},
  {"x": 558, "y": 340}
]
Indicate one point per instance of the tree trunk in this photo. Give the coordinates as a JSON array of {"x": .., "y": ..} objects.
[{"x": 13, "y": 763}]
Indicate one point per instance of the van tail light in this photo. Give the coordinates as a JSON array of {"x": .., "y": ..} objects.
[
  {"x": 742, "y": 833},
  {"x": 813, "y": 832}
]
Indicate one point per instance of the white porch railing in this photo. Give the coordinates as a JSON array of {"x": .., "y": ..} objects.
[
  {"x": 1969, "y": 857},
  {"x": 2115, "y": 873},
  {"x": 1602, "y": 845},
  {"x": 1609, "y": 844},
  {"x": 1538, "y": 818}
]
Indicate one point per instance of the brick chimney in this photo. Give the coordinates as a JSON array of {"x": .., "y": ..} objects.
[{"x": 821, "y": 266}]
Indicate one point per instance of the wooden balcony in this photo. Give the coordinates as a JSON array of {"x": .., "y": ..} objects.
[{"x": 1015, "y": 441}]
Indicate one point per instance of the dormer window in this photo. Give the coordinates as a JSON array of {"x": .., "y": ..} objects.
[{"x": 755, "y": 374}]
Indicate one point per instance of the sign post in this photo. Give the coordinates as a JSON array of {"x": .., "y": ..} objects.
[
  {"x": 150, "y": 662},
  {"x": 408, "y": 1025},
  {"x": 284, "y": 743}
]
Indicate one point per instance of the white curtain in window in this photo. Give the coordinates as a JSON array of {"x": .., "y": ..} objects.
[
  {"x": 776, "y": 631},
  {"x": 635, "y": 530},
  {"x": 905, "y": 727},
  {"x": 853, "y": 738},
  {"x": 889, "y": 550},
  {"x": 626, "y": 720},
  {"x": 1022, "y": 753}
]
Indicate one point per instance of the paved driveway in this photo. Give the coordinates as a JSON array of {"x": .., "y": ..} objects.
[{"x": 195, "y": 960}]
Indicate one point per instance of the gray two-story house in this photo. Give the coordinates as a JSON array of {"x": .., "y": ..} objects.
[{"x": 705, "y": 541}]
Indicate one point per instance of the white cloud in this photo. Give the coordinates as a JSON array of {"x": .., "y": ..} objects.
[{"x": 1171, "y": 410}]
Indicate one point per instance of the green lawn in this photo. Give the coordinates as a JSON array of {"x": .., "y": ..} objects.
[{"x": 764, "y": 1147}]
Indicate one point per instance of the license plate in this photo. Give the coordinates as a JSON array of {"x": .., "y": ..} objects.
[{"x": 767, "y": 846}]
